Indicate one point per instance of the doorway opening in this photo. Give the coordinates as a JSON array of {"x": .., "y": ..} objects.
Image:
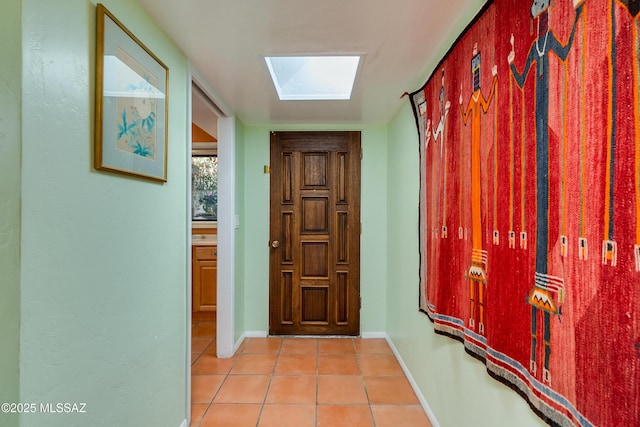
[
  {"x": 212, "y": 233},
  {"x": 226, "y": 223},
  {"x": 204, "y": 210}
]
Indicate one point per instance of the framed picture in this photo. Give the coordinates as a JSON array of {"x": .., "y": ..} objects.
[{"x": 131, "y": 103}]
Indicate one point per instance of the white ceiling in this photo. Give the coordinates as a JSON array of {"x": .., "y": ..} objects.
[{"x": 227, "y": 40}]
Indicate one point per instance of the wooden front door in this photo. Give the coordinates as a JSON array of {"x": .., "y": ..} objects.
[{"x": 314, "y": 283}]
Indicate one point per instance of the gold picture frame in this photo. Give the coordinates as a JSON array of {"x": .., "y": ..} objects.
[{"x": 131, "y": 103}]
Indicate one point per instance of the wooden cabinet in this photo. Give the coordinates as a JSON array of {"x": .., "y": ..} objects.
[{"x": 205, "y": 269}]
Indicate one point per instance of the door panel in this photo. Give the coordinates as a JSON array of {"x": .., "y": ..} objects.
[
  {"x": 315, "y": 215},
  {"x": 315, "y": 233}
]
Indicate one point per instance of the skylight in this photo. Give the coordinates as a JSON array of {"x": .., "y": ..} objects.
[{"x": 313, "y": 77}]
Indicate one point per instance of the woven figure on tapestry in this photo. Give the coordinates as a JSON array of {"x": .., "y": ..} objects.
[
  {"x": 477, "y": 273},
  {"x": 438, "y": 133},
  {"x": 545, "y": 285},
  {"x": 609, "y": 245}
]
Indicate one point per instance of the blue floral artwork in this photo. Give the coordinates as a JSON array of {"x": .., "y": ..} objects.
[{"x": 136, "y": 125}]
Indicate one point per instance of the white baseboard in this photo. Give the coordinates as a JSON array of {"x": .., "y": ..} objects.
[
  {"x": 184, "y": 423},
  {"x": 414, "y": 385},
  {"x": 367, "y": 335},
  {"x": 236, "y": 346}
]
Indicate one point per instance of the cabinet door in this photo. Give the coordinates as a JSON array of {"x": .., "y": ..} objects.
[{"x": 204, "y": 283}]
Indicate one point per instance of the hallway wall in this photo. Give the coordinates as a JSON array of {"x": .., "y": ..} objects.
[
  {"x": 373, "y": 217},
  {"x": 10, "y": 68},
  {"x": 104, "y": 256}
]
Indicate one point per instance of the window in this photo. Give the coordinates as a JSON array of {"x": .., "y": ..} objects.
[{"x": 204, "y": 188}]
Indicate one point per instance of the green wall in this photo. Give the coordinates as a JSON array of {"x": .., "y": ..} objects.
[
  {"x": 255, "y": 259},
  {"x": 10, "y": 104},
  {"x": 373, "y": 243},
  {"x": 104, "y": 256},
  {"x": 256, "y": 225}
]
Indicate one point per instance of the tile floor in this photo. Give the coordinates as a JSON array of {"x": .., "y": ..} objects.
[{"x": 300, "y": 382}]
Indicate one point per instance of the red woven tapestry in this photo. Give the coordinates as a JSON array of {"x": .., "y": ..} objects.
[{"x": 530, "y": 203}]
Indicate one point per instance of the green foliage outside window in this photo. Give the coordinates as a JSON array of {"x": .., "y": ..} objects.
[{"x": 204, "y": 188}]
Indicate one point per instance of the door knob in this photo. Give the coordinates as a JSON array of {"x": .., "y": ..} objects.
[{"x": 275, "y": 244}]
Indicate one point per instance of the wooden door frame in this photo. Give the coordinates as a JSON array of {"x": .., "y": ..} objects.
[{"x": 354, "y": 141}]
